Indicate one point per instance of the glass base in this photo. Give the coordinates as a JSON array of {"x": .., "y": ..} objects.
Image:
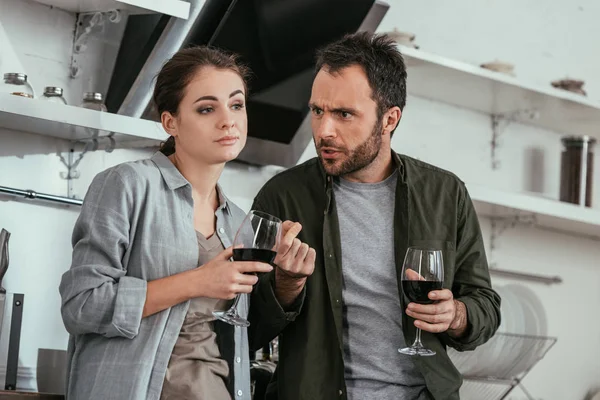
[
  {"x": 416, "y": 351},
  {"x": 231, "y": 318}
]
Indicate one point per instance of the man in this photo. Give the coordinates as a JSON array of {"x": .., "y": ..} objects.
[{"x": 361, "y": 206}]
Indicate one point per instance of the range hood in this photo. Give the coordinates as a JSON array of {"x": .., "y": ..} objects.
[{"x": 277, "y": 39}]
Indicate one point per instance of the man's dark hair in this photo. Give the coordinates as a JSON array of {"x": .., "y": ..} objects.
[{"x": 379, "y": 57}]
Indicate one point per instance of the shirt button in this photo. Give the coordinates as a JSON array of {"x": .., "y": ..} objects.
[
  {"x": 238, "y": 360},
  {"x": 330, "y": 255},
  {"x": 240, "y": 393},
  {"x": 341, "y": 392},
  {"x": 221, "y": 230}
]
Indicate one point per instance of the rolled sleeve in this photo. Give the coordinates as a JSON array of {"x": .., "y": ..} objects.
[
  {"x": 129, "y": 306},
  {"x": 289, "y": 313},
  {"x": 472, "y": 284},
  {"x": 97, "y": 295},
  {"x": 472, "y": 337},
  {"x": 268, "y": 318}
]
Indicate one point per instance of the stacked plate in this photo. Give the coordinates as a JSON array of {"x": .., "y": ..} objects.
[
  {"x": 522, "y": 311},
  {"x": 517, "y": 346}
]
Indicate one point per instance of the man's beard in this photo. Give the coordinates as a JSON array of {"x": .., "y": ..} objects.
[{"x": 362, "y": 156}]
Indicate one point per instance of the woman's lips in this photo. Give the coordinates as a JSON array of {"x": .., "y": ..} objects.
[{"x": 228, "y": 140}]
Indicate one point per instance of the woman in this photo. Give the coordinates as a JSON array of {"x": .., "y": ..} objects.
[{"x": 149, "y": 264}]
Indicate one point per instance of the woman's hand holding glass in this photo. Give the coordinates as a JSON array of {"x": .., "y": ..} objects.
[{"x": 221, "y": 278}]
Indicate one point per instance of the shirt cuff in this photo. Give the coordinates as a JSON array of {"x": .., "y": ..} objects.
[
  {"x": 291, "y": 311},
  {"x": 129, "y": 306},
  {"x": 470, "y": 340}
]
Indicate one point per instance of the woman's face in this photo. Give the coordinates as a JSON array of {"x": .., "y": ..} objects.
[{"x": 211, "y": 123}]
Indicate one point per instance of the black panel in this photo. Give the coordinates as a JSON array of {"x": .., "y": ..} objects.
[
  {"x": 277, "y": 39},
  {"x": 140, "y": 36},
  {"x": 291, "y": 31},
  {"x": 273, "y": 123}
]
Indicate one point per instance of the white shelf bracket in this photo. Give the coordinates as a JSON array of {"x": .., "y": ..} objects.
[
  {"x": 72, "y": 172},
  {"x": 500, "y": 122},
  {"x": 500, "y": 224},
  {"x": 71, "y": 163},
  {"x": 88, "y": 24}
]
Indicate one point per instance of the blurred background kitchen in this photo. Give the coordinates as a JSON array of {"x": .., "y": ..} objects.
[{"x": 504, "y": 94}]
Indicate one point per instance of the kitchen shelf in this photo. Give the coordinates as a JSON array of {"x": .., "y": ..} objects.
[
  {"x": 469, "y": 86},
  {"x": 546, "y": 213},
  {"x": 74, "y": 123},
  {"x": 175, "y": 8}
]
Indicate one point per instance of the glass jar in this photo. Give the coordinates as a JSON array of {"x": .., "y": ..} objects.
[
  {"x": 54, "y": 94},
  {"x": 93, "y": 101},
  {"x": 577, "y": 169},
  {"x": 16, "y": 83}
]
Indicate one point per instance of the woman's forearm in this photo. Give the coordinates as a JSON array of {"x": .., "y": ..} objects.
[{"x": 167, "y": 292}]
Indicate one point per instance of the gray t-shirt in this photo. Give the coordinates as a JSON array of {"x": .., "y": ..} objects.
[{"x": 372, "y": 314}]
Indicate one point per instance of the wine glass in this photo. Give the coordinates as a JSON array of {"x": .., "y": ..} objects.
[
  {"x": 422, "y": 272},
  {"x": 257, "y": 239}
]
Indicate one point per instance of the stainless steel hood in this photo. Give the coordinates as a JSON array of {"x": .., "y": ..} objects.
[{"x": 276, "y": 38}]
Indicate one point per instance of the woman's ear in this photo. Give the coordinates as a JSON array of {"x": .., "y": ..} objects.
[{"x": 169, "y": 123}]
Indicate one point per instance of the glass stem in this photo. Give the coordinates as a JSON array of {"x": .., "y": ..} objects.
[
  {"x": 417, "y": 342},
  {"x": 233, "y": 307}
]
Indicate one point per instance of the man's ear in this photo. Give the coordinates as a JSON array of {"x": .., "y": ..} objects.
[{"x": 391, "y": 118}]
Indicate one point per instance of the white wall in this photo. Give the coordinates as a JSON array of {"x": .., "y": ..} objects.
[{"x": 544, "y": 42}]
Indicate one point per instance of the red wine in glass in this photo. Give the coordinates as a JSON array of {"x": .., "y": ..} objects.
[
  {"x": 257, "y": 239},
  {"x": 418, "y": 291},
  {"x": 422, "y": 272},
  {"x": 262, "y": 255}
]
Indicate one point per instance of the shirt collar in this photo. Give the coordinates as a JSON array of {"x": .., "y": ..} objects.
[
  {"x": 223, "y": 200},
  {"x": 169, "y": 172},
  {"x": 175, "y": 180}
]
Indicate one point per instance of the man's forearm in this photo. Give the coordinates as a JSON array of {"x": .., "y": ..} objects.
[
  {"x": 458, "y": 327},
  {"x": 287, "y": 289}
]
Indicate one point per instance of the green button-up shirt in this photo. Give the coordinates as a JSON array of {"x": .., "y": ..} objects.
[{"x": 432, "y": 209}]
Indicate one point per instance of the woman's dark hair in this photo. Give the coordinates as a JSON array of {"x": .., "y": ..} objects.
[{"x": 177, "y": 73}]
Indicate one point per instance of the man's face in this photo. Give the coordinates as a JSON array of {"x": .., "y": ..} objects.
[{"x": 346, "y": 129}]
